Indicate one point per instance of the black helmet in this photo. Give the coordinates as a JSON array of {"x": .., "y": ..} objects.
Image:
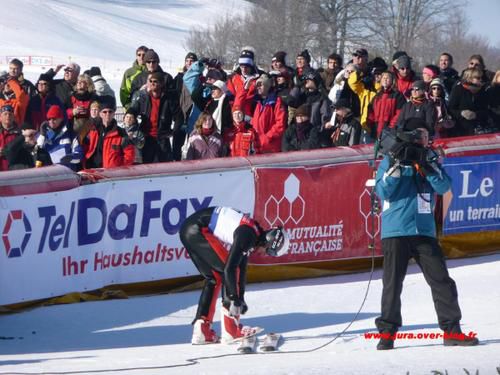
[{"x": 277, "y": 242}]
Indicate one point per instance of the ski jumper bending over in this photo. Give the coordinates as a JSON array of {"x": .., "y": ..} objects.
[{"x": 204, "y": 234}]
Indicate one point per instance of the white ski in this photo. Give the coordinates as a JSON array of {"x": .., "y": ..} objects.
[
  {"x": 248, "y": 332},
  {"x": 271, "y": 342},
  {"x": 248, "y": 345}
]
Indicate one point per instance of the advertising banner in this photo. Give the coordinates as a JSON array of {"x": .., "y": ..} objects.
[
  {"x": 473, "y": 205},
  {"x": 107, "y": 233},
  {"x": 325, "y": 210}
]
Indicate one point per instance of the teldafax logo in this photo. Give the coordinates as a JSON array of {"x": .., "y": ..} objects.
[{"x": 16, "y": 249}]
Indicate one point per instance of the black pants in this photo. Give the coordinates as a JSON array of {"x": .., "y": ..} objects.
[
  {"x": 156, "y": 150},
  {"x": 207, "y": 254},
  {"x": 429, "y": 256}
]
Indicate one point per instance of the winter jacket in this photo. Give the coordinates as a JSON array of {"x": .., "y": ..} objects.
[
  {"x": 318, "y": 102},
  {"x": 38, "y": 106},
  {"x": 19, "y": 100},
  {"x": 449, "y": 77},
  {"x": 404, "y": 84},
  {"x": 126, "y": 85},
  {"x": 102, "y": 88},
  {"x": 269, "y": 121},
  {"x": 345, "y": 133},
  {"x": 328, "y": 76},
  {"x": 422, "y": 109},
  {"x": 169, "y": 116},
  {"x": 236, "y": 84},
  {"x": 225, "y": 119},
  {"x": 204, "y": 147},
  {"x": 80, "y": 100},
  {"x": 408, "y": 199},
  {"x": 461, "y": 98},
  {"x": 63, "y": 90},
  {"x": 493, "y": 94},
  {"x": 21, "y": 155},
  {"x": 300, "y": 137},
  {"x": 113, "y": 144},
  {"x": 242, "y": 140},
  {"x": 7, "y": 136},
  {"x": 365, "y": 94},
  {"x": 383, "y": 111},
  {"x": 341, "y": 90},
  {"x": 27, "y": 86},
  {"x": 62, "y": 145}
]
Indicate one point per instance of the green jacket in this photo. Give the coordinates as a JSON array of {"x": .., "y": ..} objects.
[{"x": 126, "y": 85}]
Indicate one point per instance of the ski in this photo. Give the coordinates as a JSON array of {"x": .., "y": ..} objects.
[
  {"x": 247, "y": 332},
  {"x": 248, "y": 345},
  {"x": 271, "y": 342}
]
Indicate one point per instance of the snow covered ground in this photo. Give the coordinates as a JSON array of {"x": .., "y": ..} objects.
[
  {"x": 104, "y": 33},
  {"x": 150, "y": 335}
]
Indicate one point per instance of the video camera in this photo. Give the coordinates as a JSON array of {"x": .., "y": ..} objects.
[{"x": 404, "y": 146}]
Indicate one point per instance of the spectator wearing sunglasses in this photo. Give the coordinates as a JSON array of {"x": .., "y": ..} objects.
[
  {"x": 477, "y": 61},
  {"x": 418, "y": 107},
  {"x": 405, "y": 76},
  {"x": 152, "y": 61},
  {"x": 160, "y": 114},
  {"x": 138, "y": 66}
]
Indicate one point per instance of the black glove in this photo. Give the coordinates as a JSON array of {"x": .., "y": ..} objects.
[
  {"x": 234, "y": 306},
  {"x": 244, "y": 307},
  {"x": 204, "y": 60}
]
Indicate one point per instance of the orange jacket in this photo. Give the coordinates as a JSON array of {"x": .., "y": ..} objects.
[
  {"x": 117, "y": 149},
  {"x": 19, "y": 102}
]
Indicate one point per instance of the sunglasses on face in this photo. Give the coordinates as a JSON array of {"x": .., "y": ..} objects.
[
  {"x": 402, "y": 68},
  {"x": 107, "y": 111},
  {"x": 151, "y": 62},
  {"x": 68, "y": 70}
]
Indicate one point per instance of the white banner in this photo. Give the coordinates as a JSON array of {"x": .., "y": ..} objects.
[{"x": 107, "y": 233}]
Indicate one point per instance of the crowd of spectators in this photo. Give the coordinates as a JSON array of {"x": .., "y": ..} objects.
[{"x": 209, "y": 111}]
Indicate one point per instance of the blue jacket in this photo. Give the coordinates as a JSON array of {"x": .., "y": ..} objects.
[
  {"x": 63, "y": 145},
  {"x": 408, "y": 200}
]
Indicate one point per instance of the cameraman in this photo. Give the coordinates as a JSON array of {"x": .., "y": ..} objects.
[{"x": 406, "y": 182}]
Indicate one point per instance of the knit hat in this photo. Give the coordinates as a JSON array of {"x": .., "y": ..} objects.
[
  {"x": 95, "y": 71},
  {"x": 437, "y": 82},
  {"x": 378, "y": 65},
  {"x": 192, "y": 56},
  {"x": 305, "y": 54},
  {"x": 151, "y": 55},
  {"x": 220, "y": 85},
  {"x": 403, "y": 62},
  {"x": 159, "y": 76},
  {"x": 303, "y": 110},
  {"x": 312, "y": 75},
  {"x": 246, "y": 58},
  {"x": 360, "y": 52},
  {"x": 418, "y": 85},
  {"x": 6, "y": 108},
  {"x": 279, "y": 56},
  {"x": 108, "y": 102},
  {"x": 45, "y": 77},
  {"x": 265, "y": 80},
  {"x": 55, "y": 112},
  {"x": 397, "y": 55}
]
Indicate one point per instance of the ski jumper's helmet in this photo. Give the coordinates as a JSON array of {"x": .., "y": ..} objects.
[{"x": 277, "y": 242}]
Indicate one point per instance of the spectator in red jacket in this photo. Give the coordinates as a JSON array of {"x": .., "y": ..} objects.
[
  {"x": 107, "y": 145},
  {"x": 242, "y": 138},
  {"x": 405, "y": 76},
  {"x": 9, "y": 131},
  {"x": 269, "y": 117},
  {"x": 79, "y": 102},
  {"x": 383, "y": 111}
]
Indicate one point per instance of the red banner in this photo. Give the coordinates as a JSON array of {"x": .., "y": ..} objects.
[{"x": 325, "y": 210}]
